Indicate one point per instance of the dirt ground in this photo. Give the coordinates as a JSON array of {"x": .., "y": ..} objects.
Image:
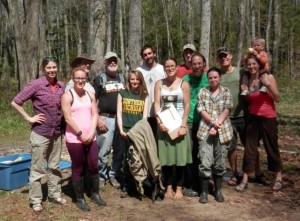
[{"x": 257, "y": 202}]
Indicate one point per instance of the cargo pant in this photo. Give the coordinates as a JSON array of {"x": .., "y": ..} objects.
[{"x": 44, "y": 150}]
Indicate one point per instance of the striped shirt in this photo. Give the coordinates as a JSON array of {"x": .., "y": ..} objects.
[
  {"x": 214, "y": 106},
  {"x": 44, "y": 101}
]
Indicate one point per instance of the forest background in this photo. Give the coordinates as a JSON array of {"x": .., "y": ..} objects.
[{"x": 31, "y": 29}]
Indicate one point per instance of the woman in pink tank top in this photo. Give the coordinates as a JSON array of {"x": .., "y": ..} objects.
[
  {"x": 80, "y": 112},
  {"x": 262, "y": 124}
]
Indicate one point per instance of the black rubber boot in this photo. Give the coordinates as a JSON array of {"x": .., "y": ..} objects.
[
  {"x": 80, "y": 201},
  {"x": 95, "y": 192},
  {"x": 218, "y": 184},
  {"x": 204, "y": 190}
]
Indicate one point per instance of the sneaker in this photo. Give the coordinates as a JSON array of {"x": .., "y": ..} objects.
[
  {"x": 245, "y": 92},
  {"x": 114, "y": 183},
  {"x": 190, "y": 192},
  {"x": 263, "y": 89}
]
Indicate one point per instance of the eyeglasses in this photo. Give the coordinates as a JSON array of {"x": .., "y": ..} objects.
[
  {"x": 50, "y": 58},
  {"x": 78, "y": 79},
  {"x": 170, "y": 67}
]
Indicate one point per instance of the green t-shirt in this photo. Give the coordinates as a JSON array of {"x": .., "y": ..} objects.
[
  {"x": 132, "y": 109},
  {"x": 196, "y": 83},
  {"x": 231, "y": 80}
]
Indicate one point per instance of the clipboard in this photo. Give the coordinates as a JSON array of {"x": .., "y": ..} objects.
[{"x": 171, "y": 120}]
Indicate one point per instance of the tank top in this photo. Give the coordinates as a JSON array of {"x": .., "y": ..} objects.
[
  {"x": 81, "y": 112},
  {"x": 175, "y": 97},
  {"x": 262, "y": 104}
]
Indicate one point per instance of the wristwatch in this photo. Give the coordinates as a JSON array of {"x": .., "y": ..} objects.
[{"x": 79, "y": 133}]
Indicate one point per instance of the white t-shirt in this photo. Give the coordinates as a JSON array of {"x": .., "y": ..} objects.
[{"x": 151, "y": 76}]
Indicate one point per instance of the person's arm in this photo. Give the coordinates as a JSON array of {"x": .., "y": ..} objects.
[
  {"x": 119, "y": 116},
  {"x": 146, "y": 108},
  {"x": 94, "y": 117},
  {"x": 38, "y": 118},
  {"x": 157, "y": 105},
  {"x": 186, "y": 106},
  {"x": 270, "y": 82},
  {"x": 262, "y": 57}
]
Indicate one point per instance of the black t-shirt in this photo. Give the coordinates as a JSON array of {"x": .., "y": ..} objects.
[{"x": 107, "y": 92}]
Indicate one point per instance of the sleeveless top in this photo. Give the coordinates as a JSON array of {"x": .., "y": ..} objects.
[
  {"x": 262, "y": 104},
  {"x": 175, "y": 97},
  {"x": 81, "y": 112}
]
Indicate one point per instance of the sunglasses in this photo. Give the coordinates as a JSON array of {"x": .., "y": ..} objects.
[{"x": 50, "y": 58}]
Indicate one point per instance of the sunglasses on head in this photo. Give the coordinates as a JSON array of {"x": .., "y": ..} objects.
[{"x": 50, "y": 58}]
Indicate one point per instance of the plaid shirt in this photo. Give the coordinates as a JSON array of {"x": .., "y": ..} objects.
[
  {"x": 44, "y": 101},
  {"x": 214, "y": 106}
]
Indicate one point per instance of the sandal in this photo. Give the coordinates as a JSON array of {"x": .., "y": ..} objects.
[
  {"x": 241, "y": 187},
  {"x": 59, "y": 200},
  {"x": 232, "y": 181},
  {"x": 37, "y": 208},
  {"x": 278, "y": 185}
]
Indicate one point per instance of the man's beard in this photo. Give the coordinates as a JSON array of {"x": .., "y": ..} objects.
[{"x": 112, "y": 69}]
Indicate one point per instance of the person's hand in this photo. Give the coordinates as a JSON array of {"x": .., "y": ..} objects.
[
  {"x": 39, "y": 118},
  {"x": 102, "y": 126},
  {"x": 244, "y": 87},
  {"x": 162, "y": 127},
  {"x": 264, "y": 78},
  {"x": 212, "y": 132},
  {"x": 123, "y": 134},
  {"x": 217, "y": 125},
  {"x": 85, "y": 139},
  {"x": 182, "y": 131}
]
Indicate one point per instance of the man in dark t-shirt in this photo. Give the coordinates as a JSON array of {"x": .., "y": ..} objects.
[{"x": 107, "y": 86}]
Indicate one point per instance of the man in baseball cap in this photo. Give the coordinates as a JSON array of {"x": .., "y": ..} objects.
[
  {"x": 187, "y": 52},
  {"x": 222, "y": 50}
]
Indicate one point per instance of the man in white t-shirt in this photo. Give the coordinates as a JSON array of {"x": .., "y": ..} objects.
[{"x": 152, "y": 72}]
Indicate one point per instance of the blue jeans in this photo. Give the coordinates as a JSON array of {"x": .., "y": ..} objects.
[{"x": 106, "y": 142}]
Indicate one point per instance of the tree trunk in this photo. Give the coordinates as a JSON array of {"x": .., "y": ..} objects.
[
  {"x": 134, "y": 33},
  {"x": 269, "y": 21},
  {"x": 66, "y": 43},
  {"x": 190, "y": 5},
  {"x": 241, "y": 31},
  {"x": 205, "y": 29},
  {"x": 97, "y": 32},
  {"x": 25, "y": 31},
  {"x": 165, "y": 9},
  {"x": 111, "y": 25},
  {"x": 123, "y": 63},
  {"x": 252, "y": 13},
  {"x": 277, "y": 36}
]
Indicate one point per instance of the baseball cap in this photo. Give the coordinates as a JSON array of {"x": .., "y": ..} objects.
[
  {"x": 222, "y": 50},
  {"x": 189, "y": 46},
  {"x": 110, "y": 54},
  {"x": 82, "y": 57}
]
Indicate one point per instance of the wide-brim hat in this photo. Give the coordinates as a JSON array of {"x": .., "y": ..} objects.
[{"x": 80, "y": 58}]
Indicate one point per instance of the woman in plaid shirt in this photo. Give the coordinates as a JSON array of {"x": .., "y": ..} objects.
[{"x": 214, "y": 134}]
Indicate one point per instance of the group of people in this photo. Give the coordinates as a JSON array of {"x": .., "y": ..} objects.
[{"x": 107, "y": 115}]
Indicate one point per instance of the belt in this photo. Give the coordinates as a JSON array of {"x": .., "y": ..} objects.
[{"x": 107, "y": 115}]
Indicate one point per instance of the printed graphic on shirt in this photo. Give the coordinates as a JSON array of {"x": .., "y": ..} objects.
[
  {"x": 132, "y": 106},
  {"x": 113, "y": 86},
  {"x": 170, "y": 99}
]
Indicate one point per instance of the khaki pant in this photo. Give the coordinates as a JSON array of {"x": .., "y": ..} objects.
[{"x": 44, "y": 150}]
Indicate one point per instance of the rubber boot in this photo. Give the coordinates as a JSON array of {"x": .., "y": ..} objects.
[
  {"x": 204, "y": 190},
  {"x": 95, "y": 192},
  {"x": 80, "y": 201},
  {"x": 218, "y": 184}
]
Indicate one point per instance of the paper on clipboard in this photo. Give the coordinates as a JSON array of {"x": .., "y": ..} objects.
[{"x": 171, "y": 120}]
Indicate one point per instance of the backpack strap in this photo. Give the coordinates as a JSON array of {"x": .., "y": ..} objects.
[
  {"x": 88, "y": 95},
  {"x": 72, "y": 96}
]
